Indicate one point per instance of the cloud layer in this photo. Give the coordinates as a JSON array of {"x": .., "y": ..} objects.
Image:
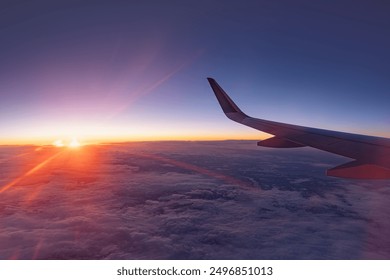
[{"x": 188, "y": 200}]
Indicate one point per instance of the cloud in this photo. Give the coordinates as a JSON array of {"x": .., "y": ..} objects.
[{"x": 148, "y": 201}]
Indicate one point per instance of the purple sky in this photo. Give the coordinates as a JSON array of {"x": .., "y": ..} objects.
[{"x": 127, "y": 70}]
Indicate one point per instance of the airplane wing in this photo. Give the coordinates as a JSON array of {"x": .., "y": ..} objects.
[{"x": 371, "y": 154}]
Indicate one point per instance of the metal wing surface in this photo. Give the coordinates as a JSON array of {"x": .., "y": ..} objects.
[{"x": 371, "y": 154}]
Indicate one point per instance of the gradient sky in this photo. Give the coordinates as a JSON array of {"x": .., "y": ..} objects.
[{"x": 136, "y": 70}]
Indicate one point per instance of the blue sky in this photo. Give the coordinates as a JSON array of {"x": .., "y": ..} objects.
[{"x": 129, "y": 70}]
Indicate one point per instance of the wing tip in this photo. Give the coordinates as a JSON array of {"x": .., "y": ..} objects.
[{"x": 226, "y": 103}]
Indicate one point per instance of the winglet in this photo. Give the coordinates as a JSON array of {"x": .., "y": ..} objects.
[{"x": 230, "y": 109}]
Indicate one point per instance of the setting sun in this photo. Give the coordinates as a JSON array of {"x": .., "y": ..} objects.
[{"x": 74, "y": 143}]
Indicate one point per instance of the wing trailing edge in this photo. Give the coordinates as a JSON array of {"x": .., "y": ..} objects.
[
  {"x": 278, "y": 142},
  {"x": 357, "y": 170}
]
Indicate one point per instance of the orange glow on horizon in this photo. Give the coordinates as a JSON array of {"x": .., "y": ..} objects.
[
  {"x": 139, "y": 135},
  {"x": 74, "y": 143},
  {"x": 58, "y": 143},
  {"x": 120, "y": 139}
]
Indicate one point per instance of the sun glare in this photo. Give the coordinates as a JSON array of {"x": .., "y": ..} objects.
[
  {"x": 74, "y": 143},
  {"x": 58, "y": 143}
]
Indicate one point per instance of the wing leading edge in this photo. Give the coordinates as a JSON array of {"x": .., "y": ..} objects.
[{"x": 371, "y": 154}]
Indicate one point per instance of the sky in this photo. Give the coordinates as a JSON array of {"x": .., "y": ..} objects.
[{"x": 136, "y": 70}]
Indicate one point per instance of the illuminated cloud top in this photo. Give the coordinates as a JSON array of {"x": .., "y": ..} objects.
[{"x": 187, "y": 200}]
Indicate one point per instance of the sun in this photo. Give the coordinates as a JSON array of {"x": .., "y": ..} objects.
[{"x": 74, "y": 143}]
